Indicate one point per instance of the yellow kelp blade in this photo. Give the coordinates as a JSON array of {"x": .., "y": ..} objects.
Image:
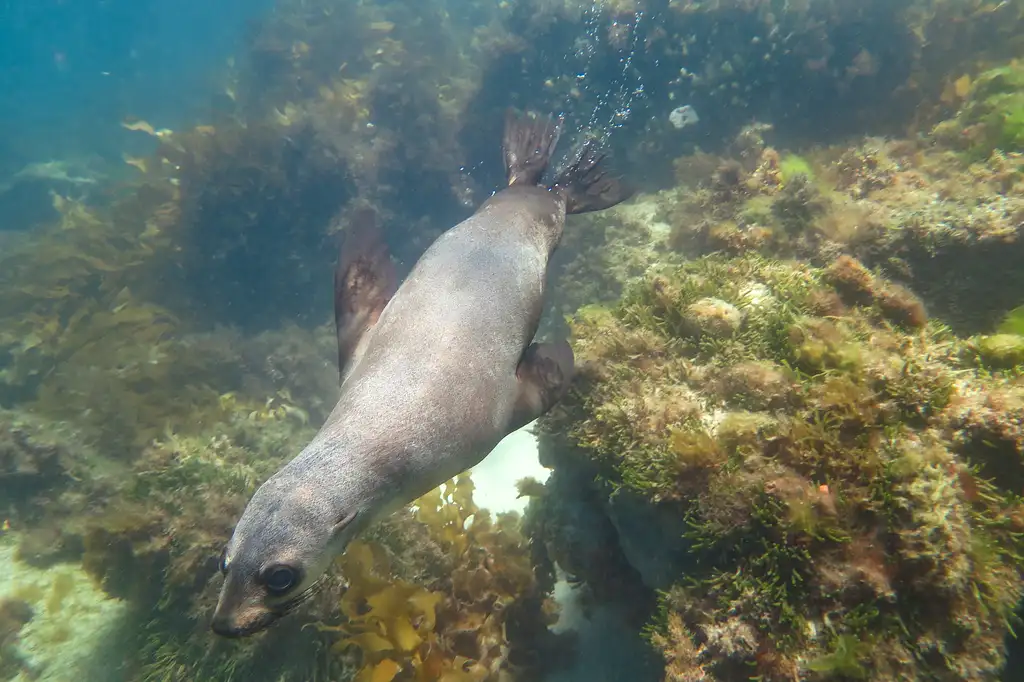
[
  {"x": 392, "y": 601},
  {"x": 385, "y": 671},
  {"x": 368, "y": 642},
  {"x": 402, "y": 634},
  {"x": 426, "y": 603}
]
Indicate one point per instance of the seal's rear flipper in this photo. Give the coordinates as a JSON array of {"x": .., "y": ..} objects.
[
  {"x": 528, "y": 144},
  {"x": 364, "y": 282},
  {"x": 545, "y": 374},
  {"x": 586, "y": 185}
]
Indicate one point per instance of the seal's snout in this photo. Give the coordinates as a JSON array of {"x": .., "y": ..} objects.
[
  {"x": 225, "y": 623},
  {"x": 235, "y": 624},
  {"x": 239, "y": 612},
  {"x": 226, "y": 627}
]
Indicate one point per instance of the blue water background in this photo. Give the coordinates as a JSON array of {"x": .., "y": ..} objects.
[{"x": 72, "y": 70}]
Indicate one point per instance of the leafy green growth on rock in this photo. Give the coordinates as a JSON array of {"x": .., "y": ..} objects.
[
  {"x": 791, "y": 166},
  {"x": 1013, "y": 323},
  {"x": 992, "y": 116}
]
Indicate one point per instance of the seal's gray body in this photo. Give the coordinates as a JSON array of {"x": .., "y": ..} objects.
[
  {"x": 436, "y": 380},
  {"x": 433, "y": 377}
]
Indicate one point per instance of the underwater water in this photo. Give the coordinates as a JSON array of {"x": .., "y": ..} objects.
[{"x": 793, "y": 444}]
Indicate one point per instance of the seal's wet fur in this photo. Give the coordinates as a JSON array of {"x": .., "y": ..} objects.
[{"x": 434, "y": 375}]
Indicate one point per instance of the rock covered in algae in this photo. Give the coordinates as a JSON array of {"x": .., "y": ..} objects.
[
  {"x": 945, "y": 225},
  {"x": 713, "y": 317},
  {"x": 823, "y": 495},
  {"x": 992, "y": 114},
  {"x": 1001, "y": 350}
]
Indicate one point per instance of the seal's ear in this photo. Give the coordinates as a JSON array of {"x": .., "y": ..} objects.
[
  {"x": 344, "y": 522},
  {"x": 364, "y": 282}
]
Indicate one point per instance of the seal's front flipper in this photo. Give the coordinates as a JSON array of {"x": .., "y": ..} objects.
[
  {"x": 586, "y": 185},
  {"x": 528, "y": 144},
  {"x": 364, "y": 282},
  {"x": 545, "y": 374}
]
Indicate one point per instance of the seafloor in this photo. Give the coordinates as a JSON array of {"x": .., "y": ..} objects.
[{"x": 795, "y": 447}]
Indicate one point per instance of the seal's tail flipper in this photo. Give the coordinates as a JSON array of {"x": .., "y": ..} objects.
[
  {"x": 528, "y": 144},
  {"x": 545, "y": 373},
  {"x": 586, "y": 185},
  {"x": 364, "y": 282}
]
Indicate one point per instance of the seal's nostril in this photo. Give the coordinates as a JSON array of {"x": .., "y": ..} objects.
[{"x": 223, "y": 627}]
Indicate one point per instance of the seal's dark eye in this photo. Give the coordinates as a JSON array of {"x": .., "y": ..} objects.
[
  {"x": 222, "y": 564},
  {"x": 280, "y": 579}
]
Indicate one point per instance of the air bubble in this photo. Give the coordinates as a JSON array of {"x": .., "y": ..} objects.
[{"x": 615, "y": 101}]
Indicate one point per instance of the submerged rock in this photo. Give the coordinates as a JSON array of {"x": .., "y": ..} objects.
[
  {"x": 1001, "y": 350},
  {"x": 811, "y": 508},
  {"x": 713, "y": 317}
]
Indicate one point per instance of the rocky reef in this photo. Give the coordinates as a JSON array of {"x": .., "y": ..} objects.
[
  {"x": 797, "y": 426},
  {"x": 937, "y": 218},
  {"x": 805, "y": 477}
]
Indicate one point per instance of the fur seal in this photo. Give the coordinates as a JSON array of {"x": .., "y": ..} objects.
[{"x": 433, "y": 375}]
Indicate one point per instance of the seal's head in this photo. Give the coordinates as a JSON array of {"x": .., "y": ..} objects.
[{"x": 283, "y": 544}]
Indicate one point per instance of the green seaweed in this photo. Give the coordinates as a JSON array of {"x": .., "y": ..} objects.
[
  {"x": 1012, "y": 137},
  {"x": 1013, "y": 322},
  {"x": 1001, "y": 351},
  {"x": 845, "y": 659},
  {"x": 992, "y": 117},
  {"x": 791, "y": 166}
]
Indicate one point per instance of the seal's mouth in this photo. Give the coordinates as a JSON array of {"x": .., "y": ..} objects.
[
  {"x": 226, "y": 626},
  {"x": 234, "y": 623}
]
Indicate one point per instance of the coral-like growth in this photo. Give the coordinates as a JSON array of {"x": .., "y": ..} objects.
[
  {"x": 859, "y": 287},
  {"x": 833, "y": 471},
  {"x": 1005, "y": 349}
]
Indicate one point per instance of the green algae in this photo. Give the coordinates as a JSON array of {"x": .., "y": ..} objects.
[
  {"x": 999, "y": 94},
  {"x": 792, "y": 166},
  {"x": 992, "y": 116},
  {"x": 1005, "y": 349},
  {"x": 1013, "y": 322},
  {"x": 757, "y": 210},
  {"x": 1001, "y": 351},
  {"x": 844, "y": 660}
]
